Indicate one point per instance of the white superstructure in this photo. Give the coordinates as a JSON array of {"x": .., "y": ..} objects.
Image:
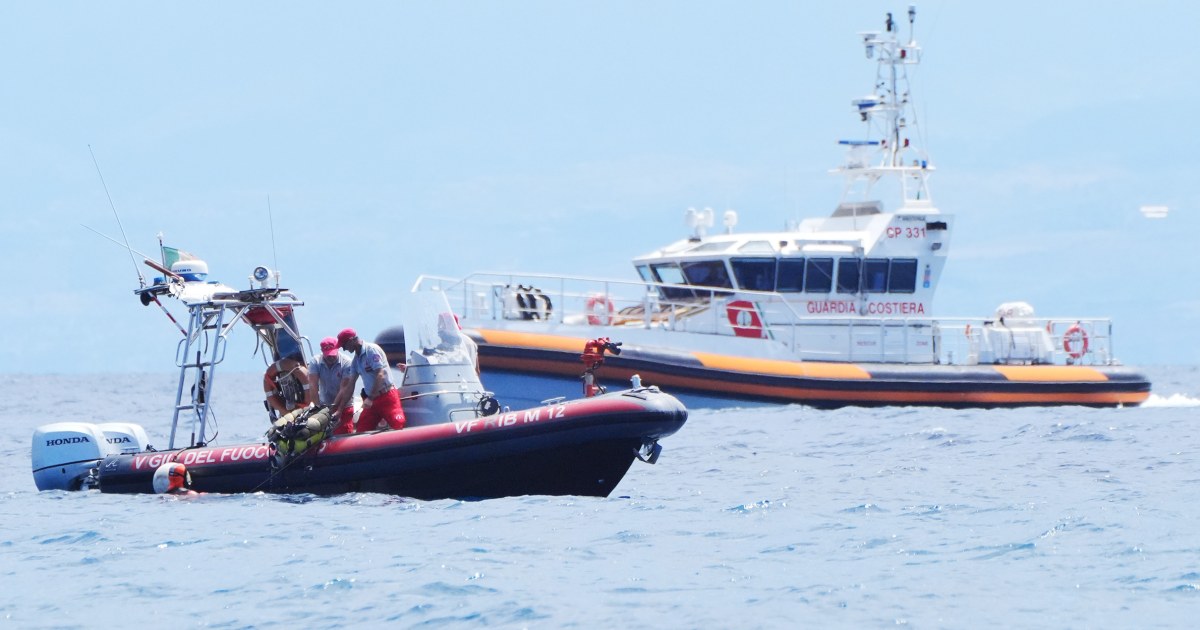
[{"x": 854, "y": 285}]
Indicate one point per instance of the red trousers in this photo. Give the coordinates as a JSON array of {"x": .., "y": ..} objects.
[
  {"x": 387, "y": 408},
  {"x": 345, "y": 422}
]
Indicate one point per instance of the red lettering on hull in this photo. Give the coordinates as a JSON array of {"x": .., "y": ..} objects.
[
  {"x": 895, "y": 308},
  {"x": 832, "y": 307},
  {"x": 848, "y": 307}
]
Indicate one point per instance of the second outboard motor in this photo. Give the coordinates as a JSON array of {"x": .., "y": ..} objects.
[{"x": 124, "y": 438}]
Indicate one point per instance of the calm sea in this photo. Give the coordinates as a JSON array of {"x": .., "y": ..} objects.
[{"x": 756, "y": 518}]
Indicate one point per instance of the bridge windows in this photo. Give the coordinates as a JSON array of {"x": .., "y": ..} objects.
[
  {"x": 670, "y": 273},
  {"x": 903, "y": 276},
  {"x": 818, "y": 275},
  {"x": 754, "y": 274},
  {"x": 791, "y": 275},
  {"x": 875, "y": 275},
  {"x": 707, "y": 273},
  {"x": 848, "y": 272},
  {"x": 847, "y": 275}
]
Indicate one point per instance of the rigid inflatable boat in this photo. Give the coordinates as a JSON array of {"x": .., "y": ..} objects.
[{"x": 459, "y": 441}]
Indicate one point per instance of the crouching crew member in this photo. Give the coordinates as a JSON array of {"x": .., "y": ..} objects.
[
  {"x": 287, "y": 387},
  {"x": 383, "y": 399}
]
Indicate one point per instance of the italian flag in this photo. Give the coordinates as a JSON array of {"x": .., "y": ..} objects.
[{"x": 171, "y": 255}]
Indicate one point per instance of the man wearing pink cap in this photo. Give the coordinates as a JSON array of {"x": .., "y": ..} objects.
[
  {"x": 325, "y": 374},
  {"x": 383, "y": 400}
]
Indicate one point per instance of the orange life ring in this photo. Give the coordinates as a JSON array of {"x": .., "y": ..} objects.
[
  {"x": 286, "y": 366},
  {"x": 1075, "y": 332},
  {"x": 967, "y": 331},
  {"x": 599, "y": 311}
]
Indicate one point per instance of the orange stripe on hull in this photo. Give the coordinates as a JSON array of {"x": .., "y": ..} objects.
[
  {"x": 532, "y": 340},
  {"x": 1044, "y": 373},
  {"x": 774, "y": 367}
]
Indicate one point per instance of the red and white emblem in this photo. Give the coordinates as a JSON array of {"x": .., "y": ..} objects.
[{"x": 744, "y": 318}]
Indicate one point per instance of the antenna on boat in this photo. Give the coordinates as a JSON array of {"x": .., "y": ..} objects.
[
  {"x": 136, "y": 269},
  {"x": 131, "y": 250},
  {"x": 274, "y": 257},
  {"x": 912, "y": 17}
]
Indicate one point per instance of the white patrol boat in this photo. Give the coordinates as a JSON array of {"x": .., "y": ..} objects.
[{"x": 831, "y": 311}]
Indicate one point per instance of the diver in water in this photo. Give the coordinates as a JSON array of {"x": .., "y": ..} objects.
[{"x": 173, "y": 478}]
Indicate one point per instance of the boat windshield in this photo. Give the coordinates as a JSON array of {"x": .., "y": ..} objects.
[
  {"x": 287, "y": 345},
  {"x": 431, "y": 332}
]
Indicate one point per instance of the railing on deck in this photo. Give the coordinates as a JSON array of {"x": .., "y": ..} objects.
[{"x": 629, "y": 305}]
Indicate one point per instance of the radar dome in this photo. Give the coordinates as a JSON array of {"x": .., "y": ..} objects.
[{"x": 191, "y": 270}]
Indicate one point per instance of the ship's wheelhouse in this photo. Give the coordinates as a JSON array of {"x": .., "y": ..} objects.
[{"x": 818, "y": 274}]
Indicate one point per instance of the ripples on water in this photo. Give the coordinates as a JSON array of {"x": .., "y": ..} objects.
[{"x": 768, "y": 517}]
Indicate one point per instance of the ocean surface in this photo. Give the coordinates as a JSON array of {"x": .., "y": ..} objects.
[{"x": 772, "y": 517}]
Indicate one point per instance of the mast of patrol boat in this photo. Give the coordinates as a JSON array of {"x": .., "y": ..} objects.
[{"x": 888, "y": 116}]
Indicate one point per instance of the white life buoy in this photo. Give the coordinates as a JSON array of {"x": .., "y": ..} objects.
[
  {"x": 1075, "y": 336},
  {"x": 599, "y": 311}
]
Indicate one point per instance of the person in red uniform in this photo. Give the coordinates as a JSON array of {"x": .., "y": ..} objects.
[{"x": 382, "y": 401}]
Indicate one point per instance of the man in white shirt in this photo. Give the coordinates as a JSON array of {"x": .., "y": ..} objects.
[{"x": 383, "y": 399}]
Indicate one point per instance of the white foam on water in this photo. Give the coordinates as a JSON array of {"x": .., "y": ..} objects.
[{"x": 1173, "y": 400}]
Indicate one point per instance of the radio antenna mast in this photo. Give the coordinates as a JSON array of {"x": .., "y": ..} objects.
[
  {"x": 138, "y": 271},
  {"x": 270, "y": 217}
]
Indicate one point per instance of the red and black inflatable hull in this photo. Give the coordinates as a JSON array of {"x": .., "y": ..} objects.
[{"x": 581, "y": 447}]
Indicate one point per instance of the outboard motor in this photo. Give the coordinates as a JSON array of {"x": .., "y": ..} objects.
[
  {"x": 124, "y": 438},
  {"x": 441, "y": 383},
  {"x": 65, "y": 453}
]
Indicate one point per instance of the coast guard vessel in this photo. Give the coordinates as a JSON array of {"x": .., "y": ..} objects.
[{"x": 833, "y": 310}]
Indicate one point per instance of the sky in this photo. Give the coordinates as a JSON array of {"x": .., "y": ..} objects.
[{"x": 357, "y": 145}]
